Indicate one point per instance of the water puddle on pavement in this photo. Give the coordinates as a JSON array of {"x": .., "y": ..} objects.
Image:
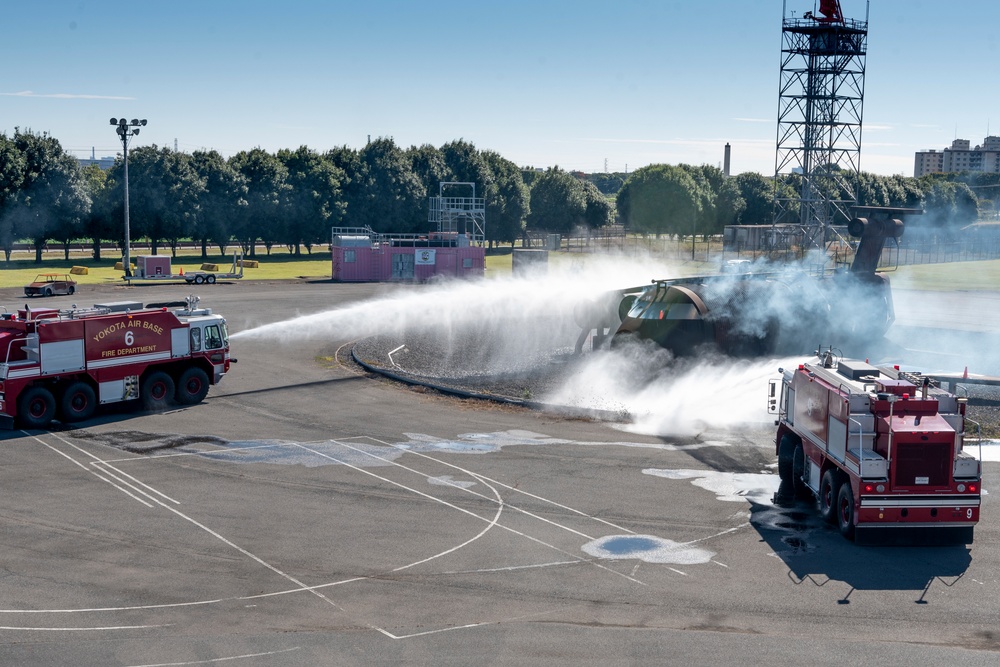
[
  {"x": 795, "y": 521},
  {"x": 358, "y": 451},
  {"x": 647, "y": 548}
]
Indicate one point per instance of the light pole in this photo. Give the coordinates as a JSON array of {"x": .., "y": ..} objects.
[{"x": 126, "y": 130}]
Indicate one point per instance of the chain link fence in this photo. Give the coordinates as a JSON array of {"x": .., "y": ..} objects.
[{"x": 966, "y": 246}]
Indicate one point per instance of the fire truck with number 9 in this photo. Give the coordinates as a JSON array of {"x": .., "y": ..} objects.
[
  {"x": 63, "y": 364},
  {"x": 882, "y": 450}
]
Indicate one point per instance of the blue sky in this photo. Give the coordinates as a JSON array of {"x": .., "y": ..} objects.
[{"x": 577, "y": 84}]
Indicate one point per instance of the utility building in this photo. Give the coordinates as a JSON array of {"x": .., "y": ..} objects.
[{"x": 455, "y": 249}]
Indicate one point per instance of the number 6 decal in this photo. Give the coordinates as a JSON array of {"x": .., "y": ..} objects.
[{"x": 129, "y": 338}]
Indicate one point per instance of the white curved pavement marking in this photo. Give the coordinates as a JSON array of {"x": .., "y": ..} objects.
[
  {"x": 473, "y": 514},
  {"x": 150, "y": 497},
  {"x": 190, "y": 520}
]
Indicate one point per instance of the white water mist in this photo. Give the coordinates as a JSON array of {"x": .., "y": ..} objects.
[{"x": 509, "y": 324}]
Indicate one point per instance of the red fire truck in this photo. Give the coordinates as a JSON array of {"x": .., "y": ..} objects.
[
  {"x": 62, "y": 364},
  {"x": 881, "y": 449}
]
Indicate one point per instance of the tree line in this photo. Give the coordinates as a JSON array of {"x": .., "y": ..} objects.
[
  {"x": 292, "y": 198},
  {"x": 685, "y": 200}
]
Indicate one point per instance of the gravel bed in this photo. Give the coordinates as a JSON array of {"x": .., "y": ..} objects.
[
  {"x": 984, "y": 407},
  {"x": 421, "y": 360}
]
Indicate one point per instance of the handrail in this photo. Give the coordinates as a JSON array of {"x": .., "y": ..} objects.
[
  {"x": 861, "y": 449},
  {"x": 888, "y": 451},
  {"x": 979, "y": 442},
  {"x": 10, "y": 343}
]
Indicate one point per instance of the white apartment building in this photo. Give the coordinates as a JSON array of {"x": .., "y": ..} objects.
[{"x": 959, "y": 157}]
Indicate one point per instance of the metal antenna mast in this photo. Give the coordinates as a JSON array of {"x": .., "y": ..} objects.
[{"x": 820, "y": 103}]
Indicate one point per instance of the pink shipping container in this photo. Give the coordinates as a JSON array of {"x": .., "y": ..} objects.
[{"x": 361, "y": 256}]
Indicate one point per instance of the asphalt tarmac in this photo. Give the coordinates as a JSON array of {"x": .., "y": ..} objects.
[{"x": 307, "y": 513}]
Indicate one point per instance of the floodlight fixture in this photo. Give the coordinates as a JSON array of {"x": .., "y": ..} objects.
[{"x": 126, "y": 131}]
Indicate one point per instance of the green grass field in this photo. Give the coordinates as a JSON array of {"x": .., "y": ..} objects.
[
  {"x": 975, "y": 276},
  {"x": 281, "y": 265}
]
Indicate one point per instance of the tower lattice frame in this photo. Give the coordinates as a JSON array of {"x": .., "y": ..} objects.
[{"x": 820, "y": 112}]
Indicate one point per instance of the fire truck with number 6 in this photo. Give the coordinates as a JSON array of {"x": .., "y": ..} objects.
[
  {"x": 882, "y": 450},
  {"x": 63, "y": 364}
]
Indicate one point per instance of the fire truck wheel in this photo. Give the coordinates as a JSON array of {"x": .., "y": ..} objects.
[
  {"x": 36, "y": 407},
  {"x": 157, "y": 391},
  {"x": 786, "y": 456},
  {"x": 192, "y": 386},
  {"x": 845, "y": 510},
  {"x": 78, "y": 402},
  {"x": 798, "y": 472},
  {"x": 829, "y": 486}
]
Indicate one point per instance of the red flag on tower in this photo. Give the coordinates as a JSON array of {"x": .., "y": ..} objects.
[{"x": 831, "y": 10}]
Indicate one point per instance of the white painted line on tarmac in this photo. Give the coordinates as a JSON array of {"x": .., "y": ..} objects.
[
  {"x": 514, "y": 568},
  {"x": 719, "y": 534},
  {"x": 484, "y": 480},
  {"x": 215, "y": 660},
  {"x": 475, "y": 493},
  {"x": 300, "y": 587},
  {"x": 202, "y": 454},
  {"x": 490, "y": 522},
  {"x": 393, "y": 361},
  {"x": 92, "y": 472},
  {"x": 109, "y": 627},
  {"x": 119, "y": 475},
  {"x": 290, "y": 591},
  {"x": 512, "y": 488},
  {"x": 211, "y": 532},
  {"x": 476, "y": 625},
  {"x": 194, "y": 603}
]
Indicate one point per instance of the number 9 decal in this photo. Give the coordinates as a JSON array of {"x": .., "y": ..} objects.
[
  {"x": 130, "y": 338},
  {"x": 968, "y": 513}
]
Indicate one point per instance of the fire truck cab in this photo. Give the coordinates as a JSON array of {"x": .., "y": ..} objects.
[{"x": 882, "y": 450}]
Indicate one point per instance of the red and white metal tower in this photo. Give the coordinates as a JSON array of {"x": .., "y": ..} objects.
[{"x": 820, "y": 103}]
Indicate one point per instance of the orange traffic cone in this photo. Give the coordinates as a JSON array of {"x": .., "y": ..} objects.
[
  {"x": 965, "y": 375},
  {"x": 182, "y": 270}
]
